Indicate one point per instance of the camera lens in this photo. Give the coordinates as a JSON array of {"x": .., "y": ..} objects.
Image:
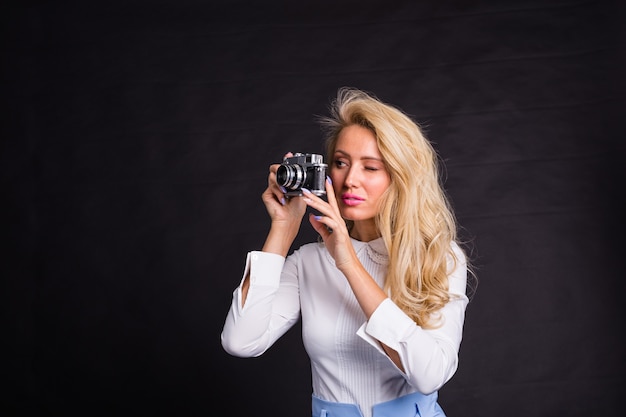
[{"x": 290, "y": 176}]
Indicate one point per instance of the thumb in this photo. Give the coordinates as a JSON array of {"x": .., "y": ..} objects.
[{"x": 319, "y": 227}]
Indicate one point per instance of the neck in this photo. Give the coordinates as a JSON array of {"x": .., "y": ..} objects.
[{"x": 364, "y": 231}]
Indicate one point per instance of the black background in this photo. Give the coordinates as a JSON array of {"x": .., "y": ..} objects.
[{"x": 135, "y": 147}]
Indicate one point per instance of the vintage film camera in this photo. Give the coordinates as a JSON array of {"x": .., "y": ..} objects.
[{"x": 302, "y": 170}]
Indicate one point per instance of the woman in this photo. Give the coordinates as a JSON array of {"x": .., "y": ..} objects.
[{"x": 382, "y": 295}]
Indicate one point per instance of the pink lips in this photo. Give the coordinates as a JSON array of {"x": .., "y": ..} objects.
[{"x": 351, "y": 199}]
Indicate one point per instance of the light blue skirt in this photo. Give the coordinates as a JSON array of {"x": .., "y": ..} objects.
[{"x": 411, "y": 405}]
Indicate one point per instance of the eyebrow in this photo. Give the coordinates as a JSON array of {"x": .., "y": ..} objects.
[{"x": 373, "y": 158}]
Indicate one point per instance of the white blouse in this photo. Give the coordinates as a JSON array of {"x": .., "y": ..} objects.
[{"x": 348, "y": 364}]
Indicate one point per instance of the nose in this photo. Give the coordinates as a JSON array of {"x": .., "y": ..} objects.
[{"x": 351, "y": 178}]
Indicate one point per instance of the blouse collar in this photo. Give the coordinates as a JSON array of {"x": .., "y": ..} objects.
[{"x": 376, "y": 249}]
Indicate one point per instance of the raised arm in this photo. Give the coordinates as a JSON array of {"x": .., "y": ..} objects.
[{"x": 286, "y": 216}]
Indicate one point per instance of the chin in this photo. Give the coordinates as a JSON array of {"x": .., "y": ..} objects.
[{"x": 354, "y": 217}]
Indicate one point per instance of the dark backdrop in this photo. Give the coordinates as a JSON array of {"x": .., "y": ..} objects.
[{"x": 135, "y": 148}]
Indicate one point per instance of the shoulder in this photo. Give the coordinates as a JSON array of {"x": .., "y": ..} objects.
[
  {"x": 310, "y": 258},
  {"x": 457, "y": 267},
  {"x": 309, "y": 250},
  {"x": 456, "y": 256}
]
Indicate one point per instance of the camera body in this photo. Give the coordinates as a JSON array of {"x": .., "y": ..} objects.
[{"x": 302, "y": 170}]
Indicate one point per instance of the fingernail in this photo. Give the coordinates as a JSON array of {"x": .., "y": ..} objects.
[
  {"x": 306, "y": 190},
  {"x": 318, "y": 217},
  {"x": 283, "y": 201},
  {"x": 283, "y": 189},
  {"x": 329, "y": 180}
]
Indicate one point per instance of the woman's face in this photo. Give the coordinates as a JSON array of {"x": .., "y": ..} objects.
[{"x": 358, "y": 173}]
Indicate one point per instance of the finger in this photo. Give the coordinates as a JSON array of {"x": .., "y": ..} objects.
[
  {"x": 274, "y": 168},
  {"x": 320, "y": 205},
  {"x": 314, "y": 201},
  {"x": 275, "y": 189},
  {"x": 318, "y": 223},
  {"x": 330, "y": 194},
  {"x": 328, "y": 223},
  {"x": 269, "y": 196},
  {"x": 279, "y": 194}
]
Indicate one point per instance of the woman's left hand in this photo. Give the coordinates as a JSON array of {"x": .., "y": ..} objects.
[{"x": 331, "y": 226}]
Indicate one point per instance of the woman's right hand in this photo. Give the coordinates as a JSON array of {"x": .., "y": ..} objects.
[{"x": 284, "y": 212}]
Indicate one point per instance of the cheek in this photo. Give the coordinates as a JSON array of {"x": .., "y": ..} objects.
[
  {"x": 381, "y": 186},
  {"x": 335, "y": 177}
]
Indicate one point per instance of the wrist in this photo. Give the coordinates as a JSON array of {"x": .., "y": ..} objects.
[
  {"x": 349, "y": 264},
  {"x": 280, "y": 238}
]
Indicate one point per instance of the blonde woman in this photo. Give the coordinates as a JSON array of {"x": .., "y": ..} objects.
[{"x": 382, "y": 294}]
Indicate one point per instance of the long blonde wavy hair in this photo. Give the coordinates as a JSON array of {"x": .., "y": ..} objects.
[{"x": 415, "y": 218}]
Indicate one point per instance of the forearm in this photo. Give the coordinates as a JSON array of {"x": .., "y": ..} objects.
[
  {"x": 272, "y": 306},
  {"x": 370, "y": 296},
  {"x": 367, "y": 292},
  {"x": 278, "y": 241},
  {"x": 429, "y": 357},
  {"x": 280, "y": 238}
]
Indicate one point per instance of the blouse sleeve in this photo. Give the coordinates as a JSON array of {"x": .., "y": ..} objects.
[
  {"x": 272, "y": 307},
  {"x": 429, "y": 356}
]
